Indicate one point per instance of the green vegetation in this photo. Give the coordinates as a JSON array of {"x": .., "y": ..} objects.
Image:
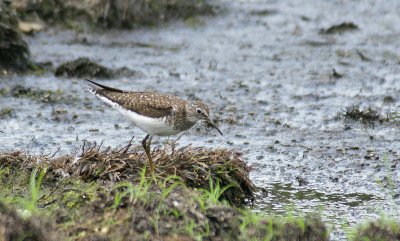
[
  {"x": 214, "y": 192},
  {"x": 28, "y": 200},
  {"x": 136, "y": 193},
  {"x": 34, "y": 189}
]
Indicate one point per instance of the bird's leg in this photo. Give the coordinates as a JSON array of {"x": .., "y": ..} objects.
[{"x": 146, "y": 146}]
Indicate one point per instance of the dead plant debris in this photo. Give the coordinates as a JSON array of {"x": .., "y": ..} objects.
[
  {"x": 366, "y": 116},
  {"x": 340, "y": 28},
  {"x": 388, "y": 99},
  {"x": 362, "y": 56}
]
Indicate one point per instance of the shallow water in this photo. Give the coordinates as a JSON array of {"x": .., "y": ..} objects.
[{"x": 268, "y": 77}]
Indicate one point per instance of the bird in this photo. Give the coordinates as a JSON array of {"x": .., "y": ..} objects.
[{"x": 154, "y": 113}]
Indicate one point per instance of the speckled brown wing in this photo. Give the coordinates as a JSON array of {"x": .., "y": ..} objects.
[{"x": 151, "y": 104}]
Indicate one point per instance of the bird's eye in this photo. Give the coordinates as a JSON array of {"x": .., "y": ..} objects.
[{"x": 198, "y": 111}]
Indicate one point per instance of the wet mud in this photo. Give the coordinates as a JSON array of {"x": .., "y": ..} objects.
[{"x": 282, "y": 93}]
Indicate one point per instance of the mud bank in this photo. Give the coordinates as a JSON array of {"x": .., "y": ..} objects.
[{"x": 109, "y": 14}]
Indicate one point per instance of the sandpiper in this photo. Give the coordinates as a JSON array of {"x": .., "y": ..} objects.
[{"x": 154, "y": 113}]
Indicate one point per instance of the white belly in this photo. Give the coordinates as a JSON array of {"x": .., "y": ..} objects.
[{"x": 151, "y": 126}]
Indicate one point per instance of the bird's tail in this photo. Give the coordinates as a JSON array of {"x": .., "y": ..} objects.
[{"x": 96, "y": 86}]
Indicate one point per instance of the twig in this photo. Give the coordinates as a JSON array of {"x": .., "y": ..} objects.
[
  {"x": 58, "y": 149},
  {"x": 98, "y": 149},
  {"x": 129, "y": 145},
  {"x": 83, "y": 148},
  {"x": 59, "y": 195},
  {"x": 362, "y": 56}
]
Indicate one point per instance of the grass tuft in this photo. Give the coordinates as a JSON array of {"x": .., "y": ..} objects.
[{"x": 382, "y": 229}]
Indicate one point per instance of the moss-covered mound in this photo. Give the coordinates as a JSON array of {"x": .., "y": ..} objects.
[
  {"x": 106, "y": 13},
  {"x": 14, "y": 51},
  {"x": 108, "y": 195},
  {"x": 196, "y": 167}
]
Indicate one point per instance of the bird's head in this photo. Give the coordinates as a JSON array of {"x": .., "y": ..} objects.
[{"x": 198, "y": 111}]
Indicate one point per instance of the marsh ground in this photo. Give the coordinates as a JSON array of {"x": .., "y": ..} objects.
[{"x": 278, "y": 82}]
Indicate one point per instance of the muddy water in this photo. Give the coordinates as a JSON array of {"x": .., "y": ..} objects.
[{"x": 268, "y": 75}]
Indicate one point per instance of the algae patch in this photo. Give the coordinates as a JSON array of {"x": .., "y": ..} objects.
[
  {"x": 41, "y": 95},
  {"x": 6, "y": 112}
]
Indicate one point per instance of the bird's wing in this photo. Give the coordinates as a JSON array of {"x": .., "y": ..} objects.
[{"x": 151, "y": 104}]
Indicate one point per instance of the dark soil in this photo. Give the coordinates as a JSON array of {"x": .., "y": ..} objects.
[{"x": 13, "y": 227}]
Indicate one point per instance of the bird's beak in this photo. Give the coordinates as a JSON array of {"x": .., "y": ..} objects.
[{"x": 213, "y": 125}]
